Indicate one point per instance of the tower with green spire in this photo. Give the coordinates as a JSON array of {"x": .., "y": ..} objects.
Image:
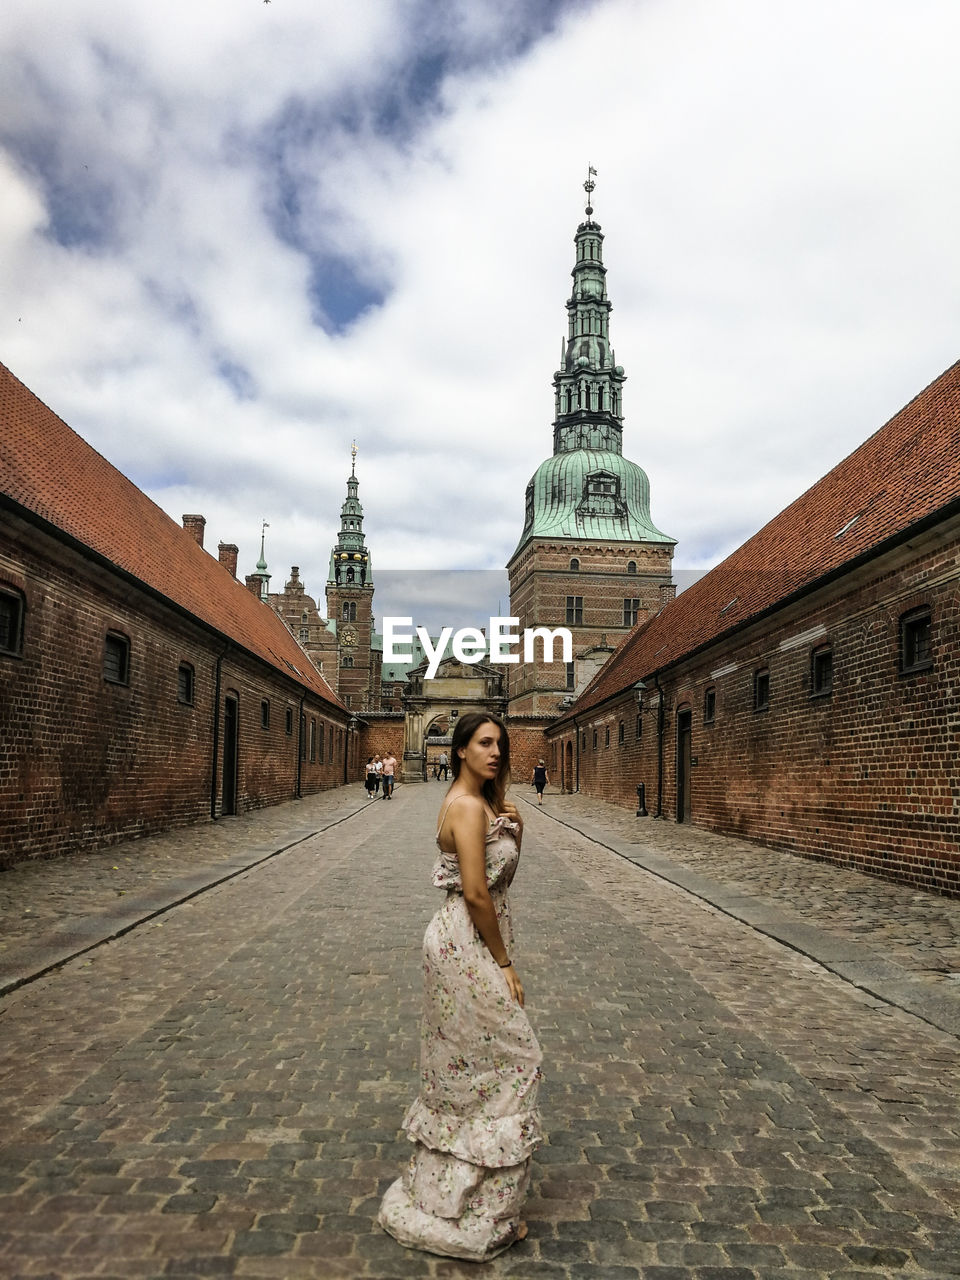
[
  {"x": 350, "y": 599},
  {"x": 589, "y": 557}
]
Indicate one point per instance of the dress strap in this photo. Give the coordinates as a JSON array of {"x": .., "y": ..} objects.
[{"x": 443, "y": 812}]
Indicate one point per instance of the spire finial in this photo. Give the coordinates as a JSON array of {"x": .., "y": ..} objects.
[
  {"x": 264, "y": 526},
  {"x": 353, "y": 460},
  {"x": 588, "y": 187}
]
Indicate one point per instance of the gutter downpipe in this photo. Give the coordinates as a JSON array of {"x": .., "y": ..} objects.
[
  {"x": 216, "y": 735},
  {"x": 660, "y": 717},
  {"x": 301, "y": 728}
]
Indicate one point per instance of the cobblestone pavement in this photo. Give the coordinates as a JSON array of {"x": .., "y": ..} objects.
[{"x": 218, "y": 1091}]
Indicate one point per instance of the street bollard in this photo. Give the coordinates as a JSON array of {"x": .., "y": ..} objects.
[{"x": 641, "y": 801}]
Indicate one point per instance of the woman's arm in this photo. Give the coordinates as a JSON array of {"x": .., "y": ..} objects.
[{"x": 468, "y": 826}]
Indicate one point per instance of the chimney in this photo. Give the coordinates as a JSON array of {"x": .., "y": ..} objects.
[
  {"x": 252, "y": 582},
  {"x": 228, "y": 552},
  {"x": 668, "y": 592},
  {"x": 194, "y": 526}
]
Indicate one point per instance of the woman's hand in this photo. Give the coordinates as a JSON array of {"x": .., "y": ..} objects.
[
  {"x": 514, "y": 983},
  {"x": 511, "y": 812}
]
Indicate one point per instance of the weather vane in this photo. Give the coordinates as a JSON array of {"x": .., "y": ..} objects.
[
  {"x": 353, "y": 458},
  {"x": 588, "y": 187}
]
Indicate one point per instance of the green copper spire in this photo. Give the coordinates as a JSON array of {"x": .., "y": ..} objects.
[
  {"x": 588, "y": 489},
  {"x": 588, "y": 391},
  {"x": 350, "y": 560},
  {"x": 261, "y": 569}
]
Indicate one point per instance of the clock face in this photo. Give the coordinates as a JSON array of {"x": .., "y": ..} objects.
[{"x": 349, "y": 635}]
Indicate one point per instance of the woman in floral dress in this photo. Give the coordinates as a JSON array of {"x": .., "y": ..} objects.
[{"x": 475, "y": 1122}]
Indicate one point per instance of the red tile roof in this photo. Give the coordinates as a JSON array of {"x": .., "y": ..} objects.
[
  {"x": 46, "y": 468},
  {"x": 901, "y": 476}
]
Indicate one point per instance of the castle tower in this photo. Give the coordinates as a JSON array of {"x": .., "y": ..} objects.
[
  {"x": 350, "y": 599},
  {"x": 589, "y": 557}
]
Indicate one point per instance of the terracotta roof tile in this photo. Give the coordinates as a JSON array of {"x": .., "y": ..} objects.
[
  {"x": 903, "y": 474},
  {"x": 46, "y": 468}
]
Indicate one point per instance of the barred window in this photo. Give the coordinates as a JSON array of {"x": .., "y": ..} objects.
[
  {"x": 116, "y": 658},
  {"x": 821, "y": 672},
  {"x": 761, "y": 689},
  {"x": 185, "y": 684},
  {"x": 709, "y": 705},
  {"x": 11, "y": 621},
  {"x": 916, "y": 647}
]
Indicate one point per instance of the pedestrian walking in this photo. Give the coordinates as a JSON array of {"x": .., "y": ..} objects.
[
  {"x": 475, "y": 1123},
  {"x": 443, "y": 766},
  {"x": 371, "y": 778},
  {"x": 540, "y": 779},
  {"x": 389, "y": 766},
  {"x": 378, "y": 771}
]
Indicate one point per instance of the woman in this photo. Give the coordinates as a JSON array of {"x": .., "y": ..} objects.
[
  {"x": 540, "y": 779},
  {"x": 371, "y": 782},
  {"x": 475, "y": 1122}
]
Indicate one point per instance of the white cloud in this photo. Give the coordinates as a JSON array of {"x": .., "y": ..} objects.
[{"x": 775, "y": 185}]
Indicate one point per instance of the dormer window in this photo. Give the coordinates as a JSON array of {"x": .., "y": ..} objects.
[{"x": 601, "y": 494}]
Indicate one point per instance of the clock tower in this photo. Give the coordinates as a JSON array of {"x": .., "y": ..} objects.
[{"x": 350, "y": 601}]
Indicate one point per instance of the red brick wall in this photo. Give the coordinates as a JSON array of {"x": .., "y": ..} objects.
[
  {"x": 377, "y": 738},
  {"x": 865, "y": 777},
  {"x": 528, "y": 743},
  {"x": 88, "y": 762},
  {"x": 541, "y": 580}
]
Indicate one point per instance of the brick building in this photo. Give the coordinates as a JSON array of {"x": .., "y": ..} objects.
[
  {"x": 589, "y": 556},
  {"x": 142, "y": 685},
  {"x": 806, "y": 692}
]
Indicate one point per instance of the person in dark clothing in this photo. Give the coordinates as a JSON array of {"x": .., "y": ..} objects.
[{"x": 540, "y": 779}]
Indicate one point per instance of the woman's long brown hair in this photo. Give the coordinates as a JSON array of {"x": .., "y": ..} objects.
[{"x": 494, "y": 789}]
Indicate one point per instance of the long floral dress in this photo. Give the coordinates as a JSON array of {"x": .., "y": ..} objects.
[{"x": 475, "y": 1122}]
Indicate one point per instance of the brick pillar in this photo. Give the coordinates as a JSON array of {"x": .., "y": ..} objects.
[
  {"x": 252, "y": 583},
  {"x": 228, "y": 552},
  {"x": 194, "y": 525}
]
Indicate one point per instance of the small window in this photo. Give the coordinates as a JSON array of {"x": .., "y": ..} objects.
[
  {"x": 331, "y": 742},
  {"x": 265, "y": 713},
  {"x": 606, "y": 737},
  {"x": 594, "y": 739},
  {"x": 347, "y": 660},
  {"x": 11, "y": 622},
  {"x": 571, "y": 675},
  {"x": 631, "y": 610},
  {"x": 620, "y": 732},
  {"x": 320, "y": 743},
  {"x": 304, "y": 634},
  {"x": 575, "y": 610},
  {"x": 709, "y": 706},
  {"x": 185, "y": 679},
  {"x": 583, "y": 744},
  {"x": 916, "y": 648},
  {"x": 640, "y": 726},
  {"x": 821, "y": 672},
  {"x": 313, "y": 741},
  {"x": 631, "y": 566},
  {"x": 574, "y": 565},
  {"x": 303, "y": 736},
  {"x": 761, "y": 689},
  {"x": 288, "y": 721},
  {"x": 116, "y": 658},
  {"x": 349, "y": 610},
  {"x": 304, "y": 617}
]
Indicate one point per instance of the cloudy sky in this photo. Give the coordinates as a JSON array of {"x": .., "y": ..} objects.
[{"x": 236, "y": 235}]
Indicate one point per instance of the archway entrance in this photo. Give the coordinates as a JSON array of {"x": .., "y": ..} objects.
[{"x": 436, "y": 743}]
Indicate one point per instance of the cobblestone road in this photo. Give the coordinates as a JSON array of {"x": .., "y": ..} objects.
[{"x": 218, "y": 1091}]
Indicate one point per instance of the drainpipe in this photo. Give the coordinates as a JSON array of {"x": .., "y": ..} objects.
[
  {"x": 659, "y": 813},
  {"x": 301, "y": 727},
  {"x": 216, "y": 736}
]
